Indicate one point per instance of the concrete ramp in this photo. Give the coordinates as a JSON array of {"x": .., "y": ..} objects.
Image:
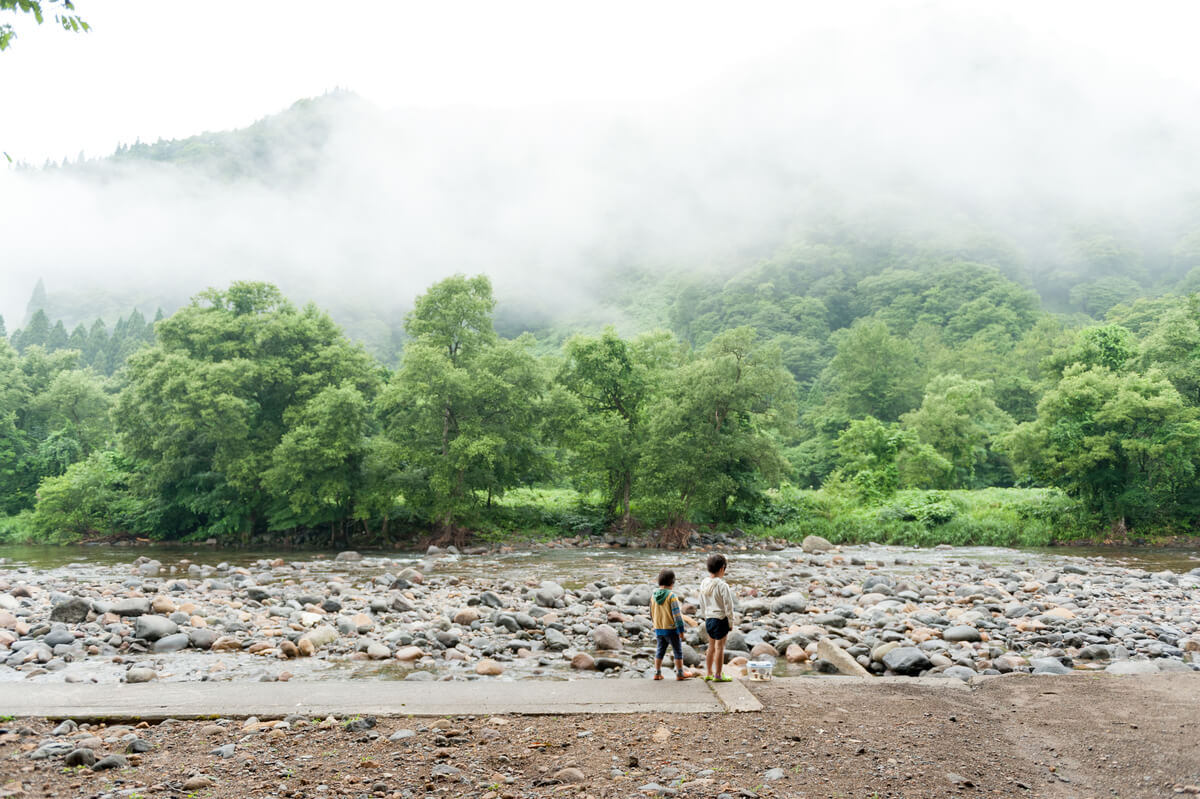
[{"x": 191, "y": 700}]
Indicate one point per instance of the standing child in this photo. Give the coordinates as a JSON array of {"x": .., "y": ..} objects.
[
  {"x": 716, "y": 605},
  {"x": 668, "y": 625}
]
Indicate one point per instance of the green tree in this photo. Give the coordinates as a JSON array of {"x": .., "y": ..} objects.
[
  {"x": 463, "y": 409},
  {"x": 876, "y": 458},
  {"x": 206, "y": 407},
  {"x": 612, "y": 382},
  {"x": 316, "y": 472},
  {"x": 874, "y": 373},
  {"x": 37, "y": 332},
  {"x": 1173, "y": 347},
  {"x": 960, "y": 420},
  {"x": 1126, "y": 444},
  {"x": 710, "y": 437},
  {"x": 94, "y": 497}
]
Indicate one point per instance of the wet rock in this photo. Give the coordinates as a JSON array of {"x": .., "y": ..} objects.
[
  {"x": 607, "y": 664},
  {"x": 71, "y": 611},
  {"x": 583, "y": 662},
  {"x": 347, "y": 556}
]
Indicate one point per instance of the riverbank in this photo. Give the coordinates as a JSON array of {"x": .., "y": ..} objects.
[
  {"x": 583, "y": 613},
  {"x": 530, "y": 517},
  {"x": 1085, "y": 735}
]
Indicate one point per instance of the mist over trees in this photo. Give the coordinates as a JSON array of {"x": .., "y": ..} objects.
[{"x": 839, "y": 271}]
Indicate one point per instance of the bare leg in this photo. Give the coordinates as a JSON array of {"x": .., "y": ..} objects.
[{"x": 719, "y": 655}]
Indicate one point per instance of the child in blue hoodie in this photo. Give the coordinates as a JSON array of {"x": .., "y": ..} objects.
[{"x": 668, "y": 625}]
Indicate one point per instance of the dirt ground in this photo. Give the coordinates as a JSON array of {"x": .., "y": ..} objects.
[{"x": 1018, "y": 736}]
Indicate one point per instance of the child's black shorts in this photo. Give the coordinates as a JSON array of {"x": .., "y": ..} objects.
[{"x": 716, "y": 628}]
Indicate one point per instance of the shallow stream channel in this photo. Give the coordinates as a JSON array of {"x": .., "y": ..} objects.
[{"x": 110, "y": 614}]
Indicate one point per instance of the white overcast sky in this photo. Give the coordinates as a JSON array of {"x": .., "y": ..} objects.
[{"x": 172, "y": 68}]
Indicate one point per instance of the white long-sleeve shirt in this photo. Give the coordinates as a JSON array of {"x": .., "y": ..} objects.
[{"x": 716, "y": 599}]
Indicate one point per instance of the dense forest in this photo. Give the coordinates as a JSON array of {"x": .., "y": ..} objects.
[
  {"x": 907, "y": 366},
  {"x": 894, "y": 410}
]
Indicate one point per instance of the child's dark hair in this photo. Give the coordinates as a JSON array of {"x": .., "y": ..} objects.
[
  {"x": 716, "y": 562},
  {"x": 666, "y": 578}
]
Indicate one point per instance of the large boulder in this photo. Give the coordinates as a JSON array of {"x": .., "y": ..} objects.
[
  {"x": 171, "y": 643},
  {"x": 133, "y": 606},
  {"x": 72, "y": 611},
  {"x": 152, "y": 628},
  {"x": 842, "y": 660},
  {"x": 790, "y": 603},
  {"x": 814, "y": 543},
  {"x": 556, "y": 641},
  {"x": 906, "y": 660},
  {"x": 605, "y": 637},
  {"x": 639, "y": 595}
]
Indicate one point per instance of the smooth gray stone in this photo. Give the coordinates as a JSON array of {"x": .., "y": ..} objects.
[{"x": 172, "y": 643}]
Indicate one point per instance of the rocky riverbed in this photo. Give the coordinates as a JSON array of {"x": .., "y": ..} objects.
[{"x": 502, "y": 615}]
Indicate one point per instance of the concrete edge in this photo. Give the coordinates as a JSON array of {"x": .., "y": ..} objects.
[{"x": 736, "y": 697}]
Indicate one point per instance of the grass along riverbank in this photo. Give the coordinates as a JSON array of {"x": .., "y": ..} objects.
[{"x": 1011, "y": 517}]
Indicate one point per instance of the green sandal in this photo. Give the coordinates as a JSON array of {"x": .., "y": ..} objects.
[{"x": 723, "y": 678}]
